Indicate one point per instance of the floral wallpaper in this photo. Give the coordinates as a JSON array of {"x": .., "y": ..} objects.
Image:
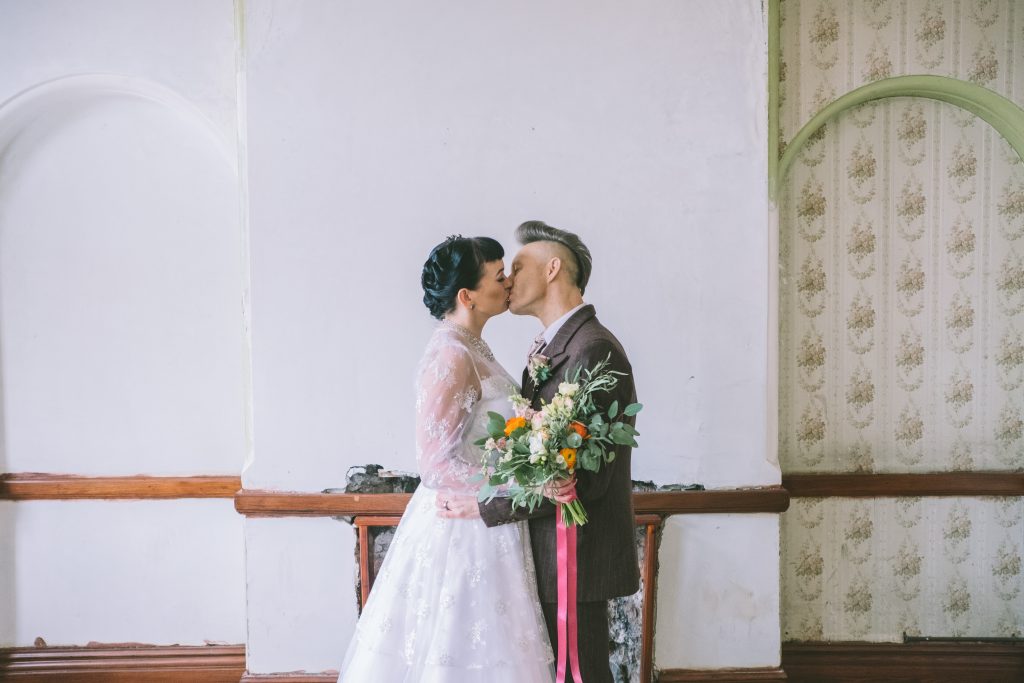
[
  {"x": 830, "y": 47},
  {"x": 902, "y": 319},
  {"x": 878, "y": 568}
]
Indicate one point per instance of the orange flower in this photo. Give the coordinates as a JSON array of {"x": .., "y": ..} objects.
[
  {"x": 513, "y": 424},
  {"x": 580, "y": 429},
  {"x": 570, "y": 457}
]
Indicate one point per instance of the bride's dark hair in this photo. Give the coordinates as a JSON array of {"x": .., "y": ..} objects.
[{"x": 456, "y": 263}]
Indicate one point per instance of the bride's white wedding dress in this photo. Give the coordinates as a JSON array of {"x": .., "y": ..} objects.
[{"x": 455, "y": 601}]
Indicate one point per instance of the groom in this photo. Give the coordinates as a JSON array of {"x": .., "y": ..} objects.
[{"x": 550, "y": 274}]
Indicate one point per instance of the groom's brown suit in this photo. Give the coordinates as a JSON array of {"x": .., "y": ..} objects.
[{"x": 606, "y": 546}]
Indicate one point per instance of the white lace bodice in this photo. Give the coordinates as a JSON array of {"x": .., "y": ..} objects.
[{"x": 458, "y": 383}]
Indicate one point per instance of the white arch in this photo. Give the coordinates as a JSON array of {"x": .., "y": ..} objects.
[{"x": 20, "y": 110}]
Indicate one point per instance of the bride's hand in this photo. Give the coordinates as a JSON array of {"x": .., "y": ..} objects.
[
  {"x": 561, "y": 490},
  {"x": 455, "y": 506}
]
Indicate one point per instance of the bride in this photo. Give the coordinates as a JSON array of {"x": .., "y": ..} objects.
[{"x": 455, "y": 601}]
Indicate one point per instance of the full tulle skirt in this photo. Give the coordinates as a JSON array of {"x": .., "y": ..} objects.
[{"x": 454, "y": 602}]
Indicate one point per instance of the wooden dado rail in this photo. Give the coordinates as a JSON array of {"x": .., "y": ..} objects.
[
  {"x": 252, "y": 503},
  {"x": 34, "y": 486},
  {"x": 884, "y": 485}
]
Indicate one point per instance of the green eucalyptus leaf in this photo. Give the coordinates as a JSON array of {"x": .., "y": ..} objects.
[
  {"x": 613, "y": 410},
  {"x": 590, "y": 461},
  {"x": 633, "y": 408},
  {"x": 622, "y": 438}
]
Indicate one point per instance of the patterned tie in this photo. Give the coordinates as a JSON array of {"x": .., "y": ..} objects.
[{"x": 538, "y": 344}]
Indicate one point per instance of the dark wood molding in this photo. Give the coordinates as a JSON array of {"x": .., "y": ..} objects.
[
  {"x": 720, "y": 675},
  {"x": 649, "y": 576},
  {"x": 927, "y": 662},
  {"x": 36, "y": 486},
  {"x": 119, "y": 664},
  {"x": 893, "y": 485},
  {"x": 769, "y": 499},
  {"x": 255, "y": 503}
]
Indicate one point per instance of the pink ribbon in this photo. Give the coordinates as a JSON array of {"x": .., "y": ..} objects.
[{"x": 567, "y": 618}]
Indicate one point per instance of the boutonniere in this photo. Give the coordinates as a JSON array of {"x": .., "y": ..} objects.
[{"x": 539, "y": 368}]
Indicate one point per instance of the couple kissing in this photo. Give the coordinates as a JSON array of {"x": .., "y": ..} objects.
[{"x": 468, "y": 590}]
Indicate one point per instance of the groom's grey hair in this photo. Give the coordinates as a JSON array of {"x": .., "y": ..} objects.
[{"x": 539, "y": 231}]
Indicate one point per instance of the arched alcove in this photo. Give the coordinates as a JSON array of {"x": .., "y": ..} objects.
[
  {"x": 900, "y": 309},
  {"x": 120, "y": 282},
  {"x": 1002, "y": 114},
  {"x": 121, "y": 353}
]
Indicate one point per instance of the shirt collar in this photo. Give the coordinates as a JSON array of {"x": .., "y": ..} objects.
[{"x": 553, "y": 328}]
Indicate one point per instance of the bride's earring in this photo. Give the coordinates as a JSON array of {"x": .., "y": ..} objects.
[{"x": 472, "y": 307}]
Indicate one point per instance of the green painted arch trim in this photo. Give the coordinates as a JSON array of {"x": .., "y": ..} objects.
[{"x": 1000, "y": 113}]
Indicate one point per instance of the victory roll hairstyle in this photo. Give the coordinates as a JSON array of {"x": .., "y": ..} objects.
[
  {"x": 457, "y": 263},
  {"x": 539, "y": 231}
]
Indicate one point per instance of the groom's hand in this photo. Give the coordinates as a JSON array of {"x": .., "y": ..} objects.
[{"x": 455, "y": 506}]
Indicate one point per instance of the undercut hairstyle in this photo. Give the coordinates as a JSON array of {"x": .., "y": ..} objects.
[
  {"x": 457, "y": 263},
  {"x": 539, "y": 231}
]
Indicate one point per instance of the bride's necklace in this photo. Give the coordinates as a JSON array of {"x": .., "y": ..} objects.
[{"x": 476, "y": 342}]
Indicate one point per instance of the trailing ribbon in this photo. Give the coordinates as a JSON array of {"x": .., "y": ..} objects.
[{"x": 567, "y": 617}]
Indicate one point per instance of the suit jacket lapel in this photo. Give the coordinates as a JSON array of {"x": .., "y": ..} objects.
[
  {"x": 528, "y": 388},
  {"x": 555, "y": 351}
]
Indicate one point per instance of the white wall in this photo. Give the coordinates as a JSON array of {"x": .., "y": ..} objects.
[
  {"x": 121, "y": 334},
  {"x": 301, "y": 591},
  {"x": 376, "y": 130},
  {"x": 159, "y": 572}
]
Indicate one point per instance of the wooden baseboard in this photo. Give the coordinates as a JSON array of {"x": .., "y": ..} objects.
[
  {"x": 929, "y": 662},
  {"x": 109, "y": 664},
  {"x": 721, "y": 675},
  {"x": 667, "y": 676},
  {"x": 290, "y": 678}
]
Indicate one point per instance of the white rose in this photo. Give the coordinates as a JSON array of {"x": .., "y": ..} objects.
[{"x": 568, "y": 389}]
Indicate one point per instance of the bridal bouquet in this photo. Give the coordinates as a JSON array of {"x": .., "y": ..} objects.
[{"x": 535, "y": 447}]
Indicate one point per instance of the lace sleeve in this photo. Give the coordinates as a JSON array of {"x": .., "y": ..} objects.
[{"x": 447, "y": 388}]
